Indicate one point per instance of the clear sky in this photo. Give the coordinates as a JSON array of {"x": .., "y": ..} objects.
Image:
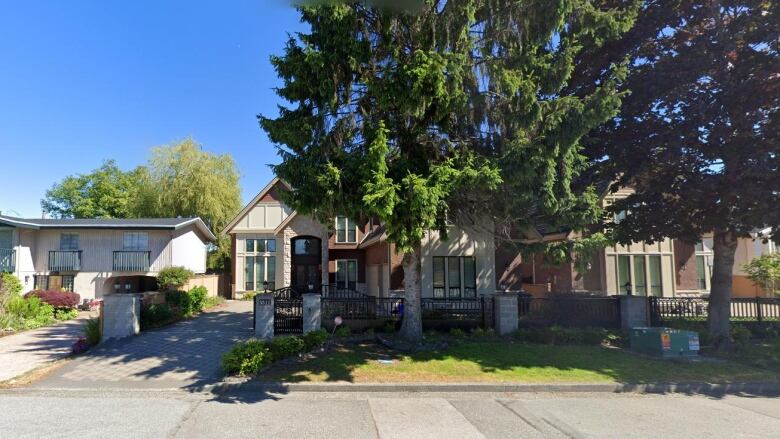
[{"x": 90, "y": 80}]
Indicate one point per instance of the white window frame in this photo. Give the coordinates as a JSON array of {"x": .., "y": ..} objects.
[
  {"x": 347, "y": 222},
  {"x": 462, "y": 285},
  {"x": 254, "y": 242},
  {"x": 257, "y": 283},
  {"x": 621, "y": 288}
]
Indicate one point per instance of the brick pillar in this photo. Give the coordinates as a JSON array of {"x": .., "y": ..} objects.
[
  {"x": 121, "y": 315},
  {"x": 634, "y": 312},
  {"x": 312, "y": 312},
  {"x": 264, "y": 316},
  {"x": 505, "y": 311}
]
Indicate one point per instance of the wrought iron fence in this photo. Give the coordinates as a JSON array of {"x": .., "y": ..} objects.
[
  {"x": 746, "y": 309},
  {"x": 61, "y": 260},
  {"x": 363, "y": 308},
  {"x": 570, "y": 311},
  {"x": 473, "y": 311}
]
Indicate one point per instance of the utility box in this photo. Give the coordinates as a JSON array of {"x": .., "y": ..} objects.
[{"x": 665, "y": 342}]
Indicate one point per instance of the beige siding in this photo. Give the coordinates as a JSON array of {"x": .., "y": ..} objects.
[{"x": 264, "y": 216}]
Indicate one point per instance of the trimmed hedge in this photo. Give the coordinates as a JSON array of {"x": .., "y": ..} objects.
[
  {"x": 173, "y": 278},
  {"x": 56, "y": 298},
  {"x": 178, "y": 305},
  {"x": 251, "y": 356}
]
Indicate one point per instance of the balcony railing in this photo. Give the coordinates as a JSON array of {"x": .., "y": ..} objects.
[
  {"x": 132, "y": 260},
  {"x": 7, "y": 260},
  {"x": 65, "y": 260}
]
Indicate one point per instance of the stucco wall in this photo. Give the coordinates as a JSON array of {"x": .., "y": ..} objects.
[{"x": 188, "y": 250}]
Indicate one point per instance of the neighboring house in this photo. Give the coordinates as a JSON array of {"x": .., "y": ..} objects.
[
  {"x": 95, "y": 257},
  {"x": 275, "y": 247}
]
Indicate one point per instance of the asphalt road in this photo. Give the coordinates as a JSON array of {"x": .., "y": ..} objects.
[{"x": 30, "y": 413}]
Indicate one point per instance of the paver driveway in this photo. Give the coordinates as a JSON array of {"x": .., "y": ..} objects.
[{"x": 184, "y": 355}]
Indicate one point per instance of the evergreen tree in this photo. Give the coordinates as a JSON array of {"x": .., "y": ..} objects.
[
  {"x": 698, "y": 137},
  {"x": 441, "y": 114}
]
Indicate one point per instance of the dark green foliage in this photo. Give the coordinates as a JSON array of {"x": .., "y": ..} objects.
[
  {"x": 187, "y": 303},
  {"x": 28, "y": 313},
  {"x": 314, "y": 339},
  {"x": 343, "y": 331},
  {"x": 173, "y": 278},
  {"x": 246, "y": 358},
  {"x": 559, "y": 335},
  {"x": 740, "y": 336},
  {"x": 457, "y": 332},
  {"x": 92, "y": 331},
  {"x": 156, "y": 315},
  {"x": 65, "y": 313},
  {"x": 283, "y": 347}
]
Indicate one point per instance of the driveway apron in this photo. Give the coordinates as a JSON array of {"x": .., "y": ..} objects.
[{"x": 185, "y": 355}]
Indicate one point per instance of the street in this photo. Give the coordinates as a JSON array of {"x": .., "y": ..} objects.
[{"x": 30, "y": 413}]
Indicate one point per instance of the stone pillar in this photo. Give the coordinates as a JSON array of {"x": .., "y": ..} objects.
[
  {"x": 505, "y": 311},
  {"x": 312, "y": 312},
  {"x": 264, "y": 316},
  {"x": 121, "y": 315},
  {"x": 633, "y": 312}
]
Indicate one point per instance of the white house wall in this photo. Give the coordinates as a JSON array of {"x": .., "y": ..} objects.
[{"x": 188, "y": 250}]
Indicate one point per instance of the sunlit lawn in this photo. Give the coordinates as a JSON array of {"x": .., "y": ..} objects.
[
  {"x": 507, "y": 361},
  {"x": 760, "y": 353}
]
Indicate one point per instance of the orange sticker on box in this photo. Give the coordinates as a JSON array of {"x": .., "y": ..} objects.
[{"x": 666, "y": 341}]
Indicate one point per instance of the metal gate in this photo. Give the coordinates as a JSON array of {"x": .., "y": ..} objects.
[{"x": 288, "y": 311}]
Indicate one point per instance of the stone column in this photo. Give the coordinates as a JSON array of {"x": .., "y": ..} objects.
[
  {"x": 121, "y": 315},
  {"x": 264, "y": 316},
  {"x": 312, "y": 312},
  {"x": 505, "y": 309},
  {"x": 633, "y": 311}
]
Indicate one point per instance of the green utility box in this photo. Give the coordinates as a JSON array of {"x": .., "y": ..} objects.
[{"x": 665, "y": 342}]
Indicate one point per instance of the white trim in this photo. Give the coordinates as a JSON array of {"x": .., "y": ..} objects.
[{"x": 346, "y": 231}]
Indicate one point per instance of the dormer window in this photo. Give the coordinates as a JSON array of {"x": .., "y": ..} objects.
[{"x": 346, "y": 230}]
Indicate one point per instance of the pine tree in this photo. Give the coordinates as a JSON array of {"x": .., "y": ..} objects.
[{"x": 443, "y": 113}]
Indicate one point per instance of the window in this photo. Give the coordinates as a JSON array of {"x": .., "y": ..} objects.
[
  {"x": 701, "y": 272},
  {"x": 656, "y": 283},
  {"x": 41, "y": 282},
  {"x": 699, "y": 246},
  {"x": 69, "y": 241},
  {"x": 135, "y": 241},
  {"x": 620, "y": 216},
  {"x": 257, "y": 271},
  {"x": 260, "y": 246},
  {"x": 67, "y": 283},
  {"x": 640, "y": 276},
  {"x": 454, "y": 277},
  {"x": 307, "y": 246},
  {"x": 346, "y": 274},
  {"x": 346, "y": 230},
  {"x": 624, "y": 274}
]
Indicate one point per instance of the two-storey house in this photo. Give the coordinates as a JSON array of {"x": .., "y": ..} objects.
[{"x": 95, "y": 257}]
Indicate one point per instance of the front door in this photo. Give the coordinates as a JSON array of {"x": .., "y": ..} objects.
[{"x": 306, "y": 264}]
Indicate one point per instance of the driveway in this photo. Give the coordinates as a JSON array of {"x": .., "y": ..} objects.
[
  {"x": 185, "y": 355},
  {"x": 23, "y": 352}
]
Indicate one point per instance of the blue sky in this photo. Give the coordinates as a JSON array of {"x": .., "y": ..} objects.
[{"x": 84, "y": 81}]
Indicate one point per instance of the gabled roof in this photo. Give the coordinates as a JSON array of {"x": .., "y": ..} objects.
[
  {"x": 252, "y": 204},
  {"x": 108, "y": 223},
  {"x": 379, "y": 234}
]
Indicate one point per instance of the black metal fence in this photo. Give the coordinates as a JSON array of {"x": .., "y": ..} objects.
[
  {"x": 569, "y": 311},
  {"x": 758, "y": 309},
  {"x": 457, "y": 313},
  {"x": 362, "y": 308}
]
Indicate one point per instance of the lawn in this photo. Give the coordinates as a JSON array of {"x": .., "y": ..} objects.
[
  {"x": 506, "y": 361},
  {"x": 760, "y": 353}
]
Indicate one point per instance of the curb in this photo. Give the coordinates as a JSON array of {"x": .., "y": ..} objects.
[{"x": 759, "y": 389}]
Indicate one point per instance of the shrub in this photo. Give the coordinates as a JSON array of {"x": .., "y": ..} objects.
[
  {"x": 343, "y": 331},
  {"x": 246, "y": 358},
  {"x": 173, "y": 278},
  {"x": 283, "y": 347},
  {"x": 65, "y": 313},
  {"x": 249, "y": 295},
  {"x": 187, "y": 303},
  {"x": 389, "y": 328},
  {"x": 10, "y": 284},
  {"x": 457, "y": 332},
  {"x": 155, "y": 314},
  {"x": 92, "y": 333},
  {"x": 314, "y": 338},
  {"x": 56, "y": 298},
  {"x": 212, "y": 301},
  {"x": 479, "y": 332},
  {"x": 558, "y": 335},
  {"x": 30, "y": 312},
  {"x": 740, "y": 336}
]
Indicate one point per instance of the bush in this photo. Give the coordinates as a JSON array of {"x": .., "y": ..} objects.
[
  {"x": 10, "y": 284},
  {"x": 389, "y": 328},
  {"x": 343, "y": 331},
  {"x": 212, "y": 301},
  {"x": 314, "y": 339},
  {"x": 246, "y": 358},
  {"x": 187, "y": 303},
  {"x": 92, "y": 333},
  {"x": 558, "y": 335},
  {"x": 740, "y": 336},
  {"x": 29, "y": 313},
  {"x": 479, "y": 332},
  {"x": 155, "y": 314},
  {"x": 249, "y": 295},
  {"x": 173, "y": 278},
  {"x": 65, "y": 313},
  {"x": 283, "y": 347},
  {"x": 56, "y": 298},
  {"x": 457, "y": 332}
]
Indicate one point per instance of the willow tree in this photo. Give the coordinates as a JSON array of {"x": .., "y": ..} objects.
[{"x": 450, "y": 111}]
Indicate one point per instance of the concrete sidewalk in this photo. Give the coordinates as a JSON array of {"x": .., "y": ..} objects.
[
  {"x": 28, "y": 350},
  {"x": 185, "y": 355}
]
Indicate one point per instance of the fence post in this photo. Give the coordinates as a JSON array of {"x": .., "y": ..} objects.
[
  {"x": 264, "y": 316},
  {"x": 633, "y": 311},
  {"x": 312, "y": 312},
  {"x": 506, "y": 315}
]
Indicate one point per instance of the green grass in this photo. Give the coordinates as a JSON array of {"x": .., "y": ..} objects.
[
  {"x": 760, "y": 353},
  {"x": 507, "y": 361}
]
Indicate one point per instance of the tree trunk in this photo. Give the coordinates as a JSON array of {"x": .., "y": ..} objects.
[
  {"x": 719, "y": 309},
  {"x": 411, "y": 326}
]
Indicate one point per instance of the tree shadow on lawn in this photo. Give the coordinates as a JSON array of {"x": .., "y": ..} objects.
[{"x": 506, "y": 360}]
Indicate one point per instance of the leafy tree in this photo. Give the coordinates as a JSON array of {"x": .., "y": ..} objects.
[
  {"x": 106, "y": 192},
  {"x": 183, "y": 180},
  {"x": 764, "y": 271},
  {"x": 445, "y": 114},
  {"x": 698, "y": 137}
]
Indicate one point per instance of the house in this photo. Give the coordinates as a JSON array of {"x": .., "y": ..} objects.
[
  {"x": 668, "y": 268},
  {"x": 95, "y": 257},
  {"x": 275, "y": 247}
]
